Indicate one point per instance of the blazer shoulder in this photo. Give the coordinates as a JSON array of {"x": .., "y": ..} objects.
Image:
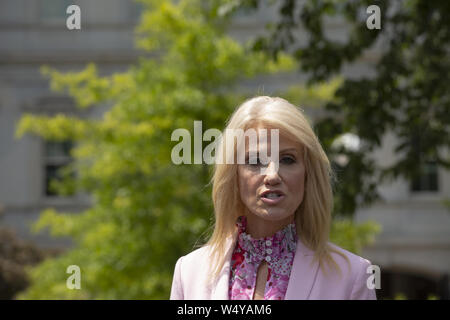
[
  {"x": 195, "y": 263},
  {"x": 189, "y": 281},
  {"x": 354, "y": 260},
  {"x": 358, "y": 273},
  {"x": 204, "y": 252},
  {"x": 197, "y": 255}
]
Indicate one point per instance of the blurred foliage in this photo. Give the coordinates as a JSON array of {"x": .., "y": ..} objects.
[
  {"x": 402, "y": 296},
  {"x": 406, "y": 91},
  {"x": 312, "y": 96},
  {"x": 147, "y": 212},
  {"x": 15, "y": 256},
  {"x": 353, "y": 236}
]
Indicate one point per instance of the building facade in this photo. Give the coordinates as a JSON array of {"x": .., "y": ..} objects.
[{"x": 413, "y": 250}]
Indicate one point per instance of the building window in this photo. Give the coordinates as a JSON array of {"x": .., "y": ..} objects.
[
  {"x": 57, "y": 156},
  {"x": 54, "y": 10},
  {"x": 427, "y": 180}
]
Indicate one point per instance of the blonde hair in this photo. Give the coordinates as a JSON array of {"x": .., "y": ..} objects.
[{"x": 313, "y": 216}]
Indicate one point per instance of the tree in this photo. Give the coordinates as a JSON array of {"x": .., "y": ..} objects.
[
  {"x": 15, "y": 256},
  {"x": 407, "y": 94},
  {"x": 146, "y": 211}
]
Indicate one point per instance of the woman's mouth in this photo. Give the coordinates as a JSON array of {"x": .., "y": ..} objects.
[{"x": 272, "y": 197}]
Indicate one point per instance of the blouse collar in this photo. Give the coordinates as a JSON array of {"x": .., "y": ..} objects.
[{"x": 268, "y": 248}]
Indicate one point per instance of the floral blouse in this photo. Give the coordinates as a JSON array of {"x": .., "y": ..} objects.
[{"x": 278, "y": 250}]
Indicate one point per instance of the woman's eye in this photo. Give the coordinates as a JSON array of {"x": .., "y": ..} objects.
[{"x": 287, "y": 160}]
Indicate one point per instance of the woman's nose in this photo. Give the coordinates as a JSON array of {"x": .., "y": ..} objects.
[{"x": 272, "y": 176}]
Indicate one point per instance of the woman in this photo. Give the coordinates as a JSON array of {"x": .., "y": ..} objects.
[{"x": 270, "y": 239}]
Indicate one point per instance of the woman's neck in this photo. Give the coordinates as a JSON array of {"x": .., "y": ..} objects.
[{"x": 258, "y": 227}]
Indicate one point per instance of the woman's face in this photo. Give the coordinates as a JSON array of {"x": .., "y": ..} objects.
[{"x": 274, "y": 195}]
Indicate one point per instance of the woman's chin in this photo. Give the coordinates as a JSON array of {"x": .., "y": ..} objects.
[{"x": 273, "y": 214}]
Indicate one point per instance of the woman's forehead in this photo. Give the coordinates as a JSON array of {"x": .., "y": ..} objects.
[{"x": 271, "y": 133}]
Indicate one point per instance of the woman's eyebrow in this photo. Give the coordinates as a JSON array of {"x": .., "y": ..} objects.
[
  {"x": 289, "y": 150},
  {"x": 281, "y": 151}
]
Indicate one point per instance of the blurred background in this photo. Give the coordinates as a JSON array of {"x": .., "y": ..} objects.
[{"x": 86, "y": 118}]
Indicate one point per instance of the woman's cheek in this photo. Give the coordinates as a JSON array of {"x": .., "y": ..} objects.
[{"x": 248, "y": 185}]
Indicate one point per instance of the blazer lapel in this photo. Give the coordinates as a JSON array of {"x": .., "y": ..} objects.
[{"x": 303, "y": 273}]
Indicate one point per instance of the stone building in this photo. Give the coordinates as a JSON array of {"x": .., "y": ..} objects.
[{"x": 413, "y": 249}]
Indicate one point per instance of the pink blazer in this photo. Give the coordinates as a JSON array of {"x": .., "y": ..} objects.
[{"x": 306, "y": 281}]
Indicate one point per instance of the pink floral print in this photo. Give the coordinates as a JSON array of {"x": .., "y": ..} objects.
[{"x": 278, "y": 250}]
